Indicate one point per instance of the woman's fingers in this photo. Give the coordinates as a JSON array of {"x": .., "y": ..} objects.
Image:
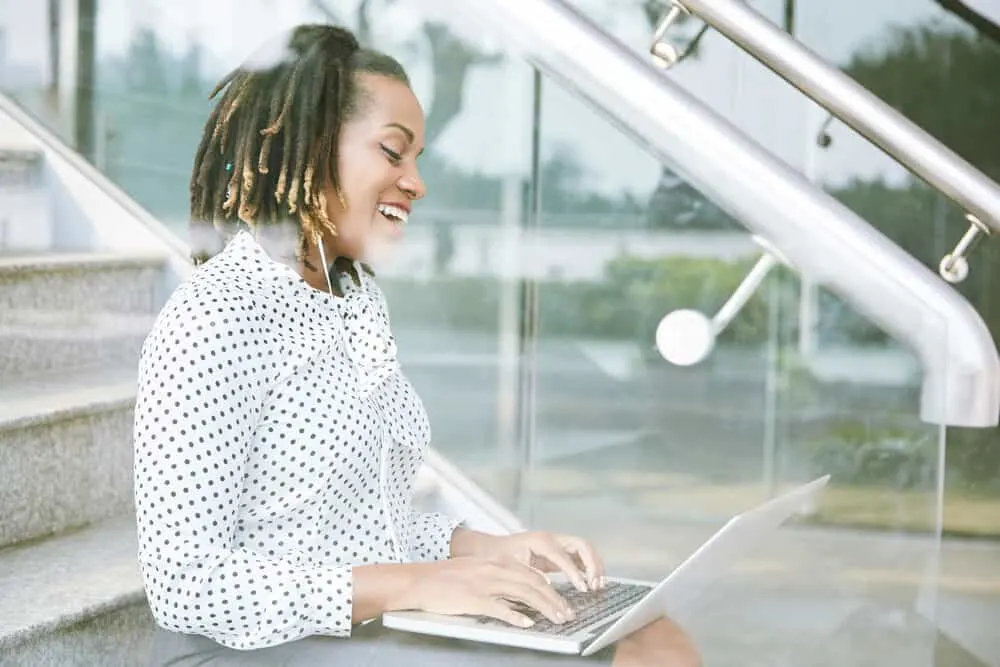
[
  {"x": 501, "y": 611},
  {"x": 523, "y": 584},
  {"x": 551, "y": 550},
  {"x": 554, "y": 610},
  {"x": 584, "y": 550}
]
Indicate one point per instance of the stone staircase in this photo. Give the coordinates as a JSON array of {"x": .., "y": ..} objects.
[{"x": 71, "y": 327}]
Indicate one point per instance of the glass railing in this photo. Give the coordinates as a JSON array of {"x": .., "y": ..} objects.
[
  {"x": 530, "y": 286},
  {"x": 913, "y": 55}
]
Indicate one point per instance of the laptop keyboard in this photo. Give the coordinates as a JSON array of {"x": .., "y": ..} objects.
[{"x": 590, "y": 607}]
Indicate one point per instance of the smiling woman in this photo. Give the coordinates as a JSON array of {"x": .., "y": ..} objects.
[
  {"x": 276, "y": 436},
  {"x": 317, "y": 132}
]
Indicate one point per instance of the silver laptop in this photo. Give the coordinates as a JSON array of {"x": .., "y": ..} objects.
[{"x": 624, "y": 606}]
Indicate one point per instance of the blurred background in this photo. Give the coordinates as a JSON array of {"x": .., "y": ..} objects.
[{"x": 525, "y": 303}]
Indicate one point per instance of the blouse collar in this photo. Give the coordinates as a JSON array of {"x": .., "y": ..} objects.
[{"x": 273, "y": 256}]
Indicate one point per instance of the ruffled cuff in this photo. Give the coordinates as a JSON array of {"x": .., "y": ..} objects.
[
  {"x": 431, "y": 536},
  {"x": 331, "y": 603}
]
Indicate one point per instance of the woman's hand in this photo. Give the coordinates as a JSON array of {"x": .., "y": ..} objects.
[
  {"x": 481, "y": 587},
  {"x": 542, "y": 551}
]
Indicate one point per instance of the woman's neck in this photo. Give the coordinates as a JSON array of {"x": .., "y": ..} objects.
[{"x": 283, "y": 242}]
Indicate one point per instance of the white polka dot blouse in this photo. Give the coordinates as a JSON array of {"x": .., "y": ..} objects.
[{"x": 276, "y": 445}]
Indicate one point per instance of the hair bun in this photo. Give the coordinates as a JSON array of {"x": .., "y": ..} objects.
[{"x": 334, "y": 40}]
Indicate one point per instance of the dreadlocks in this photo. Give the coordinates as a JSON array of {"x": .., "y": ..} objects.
[{"x": 271, "y": 144}]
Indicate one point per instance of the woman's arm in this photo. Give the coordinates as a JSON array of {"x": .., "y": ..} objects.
[
  {"x": 382, "y": 588},
  {"x": 202, "y": 379}
]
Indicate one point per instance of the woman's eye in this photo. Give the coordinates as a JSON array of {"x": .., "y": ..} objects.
[{"x": 393, "y": 156}]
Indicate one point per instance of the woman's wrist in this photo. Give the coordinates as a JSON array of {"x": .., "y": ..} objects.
[
  {"x": 467, "y": 543},
  {"x": 383, "y": 588}
]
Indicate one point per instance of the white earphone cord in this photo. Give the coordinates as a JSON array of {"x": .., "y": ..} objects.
[{"x": 326, "y": 267}]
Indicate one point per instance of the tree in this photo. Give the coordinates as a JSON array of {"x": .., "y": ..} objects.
[
  {"x": 674, "y": 202},
  {"x": 146, "y": 71},
  {"x": 945, "y": 80},
  {"x": 191, "y": 81},
  {"x": 983, "y": 25},
  {"x": 451, "y": 60}
]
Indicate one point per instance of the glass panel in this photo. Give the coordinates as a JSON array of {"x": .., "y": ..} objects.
[
  {"x": 648, "y": 459},
  {"x": 910, "y": 57},
  {"x": 454, "y": 290},
  {"x": 913, "y": 55},
  {"x": 547, "y": 252},
  {"x": 454, "y": 302},
  {"x": 26, "y": 58}
]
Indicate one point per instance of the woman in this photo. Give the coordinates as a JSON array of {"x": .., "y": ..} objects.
[{"x": 276, "y": 437}]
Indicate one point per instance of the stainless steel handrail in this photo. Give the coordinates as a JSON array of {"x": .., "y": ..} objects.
[
  {"x": 894, "y": 133},
  {"x": 817, "y": 233}
]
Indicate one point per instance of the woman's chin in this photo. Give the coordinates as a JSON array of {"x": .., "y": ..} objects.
[{"x": 381, "y": 249}]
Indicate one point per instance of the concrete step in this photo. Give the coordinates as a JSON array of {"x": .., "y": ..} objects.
[
  {"x": 36, "y": 342},
  {"x": 65, "y": 453},
  {"x": 75, "y": 599},
  {"x": 81, "y": 283}
]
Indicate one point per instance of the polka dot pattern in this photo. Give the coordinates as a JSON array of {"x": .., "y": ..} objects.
[{"x": 276, "y": 444}]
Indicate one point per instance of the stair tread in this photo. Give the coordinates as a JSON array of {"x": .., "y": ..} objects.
[
  {"x": 44, "y": 261},
  {"x": 67, "y": 578},
  {"x": 73, "y": 325},
  {"x": 39, "y": 398}
]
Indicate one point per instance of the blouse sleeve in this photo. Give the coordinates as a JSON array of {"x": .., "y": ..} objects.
[
  {"x": 431, "y": 536},
  {"x": 202, "y": 381}
]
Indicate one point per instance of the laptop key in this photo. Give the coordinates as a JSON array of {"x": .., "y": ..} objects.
[{"x": 590, "y": 607}]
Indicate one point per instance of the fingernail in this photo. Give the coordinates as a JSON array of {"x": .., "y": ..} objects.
[
  {"x": 595, "y": 583},
  {"x": 560, "y": 618},
  {"x": 527, "y": 622}
]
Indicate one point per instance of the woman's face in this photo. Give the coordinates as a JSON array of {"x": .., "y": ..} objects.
[{"x": 378, "y": 170}]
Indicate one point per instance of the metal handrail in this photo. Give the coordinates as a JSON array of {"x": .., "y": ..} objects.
[
  {"x": 818, "y": 234},
  {"x": 852, "y": 103}
]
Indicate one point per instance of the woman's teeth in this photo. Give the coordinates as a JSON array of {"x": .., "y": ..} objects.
[{"x": 394, "y": 213}]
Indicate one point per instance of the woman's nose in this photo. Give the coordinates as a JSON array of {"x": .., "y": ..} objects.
[{"x": 412, "y": 185}]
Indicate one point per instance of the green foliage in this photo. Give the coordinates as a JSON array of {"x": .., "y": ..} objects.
[
  {"x": 653, "y": 287},
  {"x": 948, "y": 82},
  {"x": 943, "y": 79},
  {"x": 448, "y": 303},
  {"x": 858, "y": 452},
  {"x": 628, "y": 303}
]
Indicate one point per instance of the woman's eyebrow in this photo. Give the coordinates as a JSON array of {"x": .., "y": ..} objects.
[
  {"x": 410, "y": 136},
  {"x": 405, "y": 130}
]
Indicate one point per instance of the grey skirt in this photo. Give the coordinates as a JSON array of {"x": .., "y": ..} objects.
[{"x": 370, "y": 645}]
